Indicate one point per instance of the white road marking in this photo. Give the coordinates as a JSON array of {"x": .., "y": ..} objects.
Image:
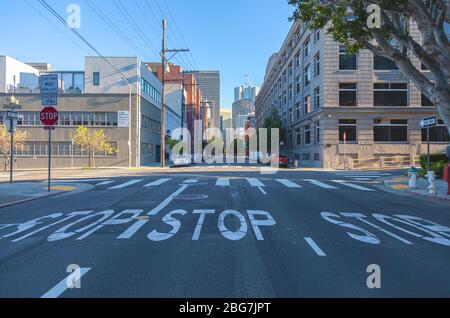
[
  {"x": 314, "y": 246},
  {"x": 136, "y": 226},
  {"x": 288, "y": 183},
  {"x": 126, "y": 184},
  {"x": 262, "y": 190},
  {"x": 104, "y": 183},
  {"x": 223, "y": 182},
  {"x": 79, "y": 180},
  {"x": 319, "y": 184},
  {"x": 363, "y": 179},
  {"x": 190, "y": 181},
  {"x": 158, "y": 182},
  {"x": 61, "y": 287},
  {"x": 354, "y": 186},
  {"x": 255, "y": 182}
]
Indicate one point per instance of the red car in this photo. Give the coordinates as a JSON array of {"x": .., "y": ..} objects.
[{"x": 280, "y": 160}]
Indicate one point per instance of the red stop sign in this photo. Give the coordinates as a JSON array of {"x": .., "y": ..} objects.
[{"x": 49, "y": 116}]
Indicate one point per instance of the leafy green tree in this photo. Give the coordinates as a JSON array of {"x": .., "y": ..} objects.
[
  {"x": 5, "y": 142},
  {"x": 273, "y": 121},
  {"x": 391, "y": 38},
  {"x": 94, "y": 140}
]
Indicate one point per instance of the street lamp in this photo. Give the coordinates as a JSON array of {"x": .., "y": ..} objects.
[{"x": 127, "y": 82}]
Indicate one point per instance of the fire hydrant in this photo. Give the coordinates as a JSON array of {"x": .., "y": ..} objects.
[
  {"x": 412, "y": 175},
  {"x": 431, "y": 175}
]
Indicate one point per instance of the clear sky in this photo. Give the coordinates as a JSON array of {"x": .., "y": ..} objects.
[{"x": 234, "y": 36}]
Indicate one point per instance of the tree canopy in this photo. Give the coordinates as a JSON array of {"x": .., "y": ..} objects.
[{"x": 354, "y": 24}]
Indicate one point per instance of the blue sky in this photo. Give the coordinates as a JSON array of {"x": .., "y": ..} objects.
[{"x": 233, "y": 36}]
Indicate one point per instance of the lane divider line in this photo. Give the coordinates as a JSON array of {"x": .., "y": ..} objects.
[
  {"x": 126, "y": 184},
  {"x": 63, "y": 285},
  {"x": 315, "y": 247},
  {"x": 354, "y": 186}
]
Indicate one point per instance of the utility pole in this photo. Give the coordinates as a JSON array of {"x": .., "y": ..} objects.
[{"x": 163, "y": 97}]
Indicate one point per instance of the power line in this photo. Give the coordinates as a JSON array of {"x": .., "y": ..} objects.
[
  {"x": 179, "y": 31},
  {"x": 113, "y": 26},
  {"x": 56, "y": 27},
  {"x": 188, "y": 64},
  {"x": 134, "y": 25},
  {"x": 61, "y": 19}
]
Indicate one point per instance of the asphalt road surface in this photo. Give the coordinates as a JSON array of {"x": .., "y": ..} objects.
[{"x": 227, "y": 233}]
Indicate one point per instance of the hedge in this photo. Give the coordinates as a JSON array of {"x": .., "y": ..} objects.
[{"x": 437, "y": 163}]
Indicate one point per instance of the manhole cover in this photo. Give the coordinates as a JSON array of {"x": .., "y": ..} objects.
[{"x": 188, "y": 197}]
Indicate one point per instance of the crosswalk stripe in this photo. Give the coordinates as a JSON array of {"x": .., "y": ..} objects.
[
  {"x": 223, "y": 182},
  {"x": 126, "y": 184},
  {"x": 255, "y": 182},
  {"x": 288, "y": 183},
  {"x": 158, "y": 182},
  {"x": 354, "y": 186},
  {"x": 104, "y": 183},
  {"x": 189, "y": 181},
  {"x": 320, "y": 184}
]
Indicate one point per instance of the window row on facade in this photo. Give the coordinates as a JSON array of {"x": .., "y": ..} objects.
[
  {"x": 59, "y": 149},
  {"x": 90, "y": 119}
]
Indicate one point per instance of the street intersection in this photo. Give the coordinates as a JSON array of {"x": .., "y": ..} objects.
[{"x": 226, "y": 231}]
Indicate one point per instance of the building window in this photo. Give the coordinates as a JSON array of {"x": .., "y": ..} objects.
[
  {"x": 426, "y": 102},
  {"x": 348, "y": 94},
  {"x": 96, "y": 79},
  {"x": 299, "y": 136},
  {"x": 390, "y": 94},
  {"x": 317, "y": 132},
  {"x": 291, "y": 116},
  {"x": 307, "y": 104},
  {"x": 317, "y": 35},
  {"x": 298, "y": 110},
  {"x": 298, "y": 84},
  {"x": 291, "y": 93},
  {"x": 307, "y": 48},
  {"x": 437, "y": 134},
  {"x": 347, "y": 61},
  {"x": 307, "y": 132},
  {"x": 394, "y": 131},
  {"x": 347, "y": 128},
  {"x": 297, "y": 60},
  {"x": 383, "y": 63},
  {"x": 290, "y": 72},
  {"x": 317, "y": 98},
  {"x": 307, "y": 75},
  {"x": 317, "y": 64}
]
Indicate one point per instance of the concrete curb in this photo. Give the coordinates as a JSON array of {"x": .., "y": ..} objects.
[
  {"x": 80, "y": 188},
  {"x": 387, "y": 182}
]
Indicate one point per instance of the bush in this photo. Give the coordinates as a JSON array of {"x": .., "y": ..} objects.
[{"x": 437, "y": 163}]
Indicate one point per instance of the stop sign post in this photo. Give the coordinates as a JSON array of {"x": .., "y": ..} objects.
[{"x": 49, "y": 117}]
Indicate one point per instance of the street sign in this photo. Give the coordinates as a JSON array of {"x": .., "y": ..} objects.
[
  {"x": 49, "y": 90},
  {"x": 49, "y": 127},
  {"x": 12, "y": 115},
  {"x": 123, "y": 119},
  {"x": 49, "y": 116},
  {"x": 49, "y": 99},
  {"x": 10, "y": 127},
  {"x": 429, "y": 122},
  {"x": 49, "y": 84}
]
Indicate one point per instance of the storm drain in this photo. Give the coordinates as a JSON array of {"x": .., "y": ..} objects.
[{"x": 189, "y": 197}]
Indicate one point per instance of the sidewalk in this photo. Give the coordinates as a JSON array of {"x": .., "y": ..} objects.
[
  {"x": 20, "y": 192},
  {"x": 401, "y": 183}
]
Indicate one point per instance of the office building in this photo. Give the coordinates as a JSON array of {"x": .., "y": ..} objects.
[
  {"x": 96, "y": 97},
  {"x": 345, "y": 110},
  {"x": 209, "y": 84}
]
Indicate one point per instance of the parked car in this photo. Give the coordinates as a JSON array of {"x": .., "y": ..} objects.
[
  {"x": 182, "y": 161},
  {"x": 280, "y": 160}
]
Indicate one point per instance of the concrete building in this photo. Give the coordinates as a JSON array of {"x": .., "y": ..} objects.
[
  {"x": 226, "y": 119},
  {"x": 209, "y": 84},
  {"x": 246, "y": 91},
  {"x": 16, "y": 76},
  {"x": 324, "y": 94},
  {"x": 241, "y": 109},
  {"x": 97, "y": 97}
]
